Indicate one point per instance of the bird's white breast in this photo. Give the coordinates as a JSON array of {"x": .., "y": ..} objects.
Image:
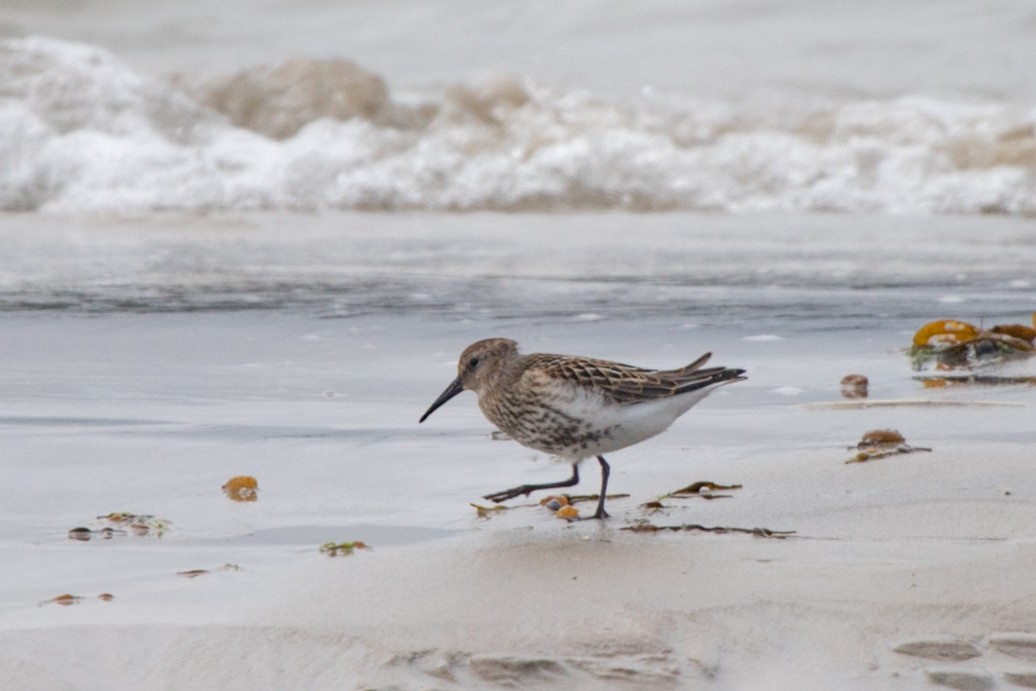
[{"x": 610, "y": 426}]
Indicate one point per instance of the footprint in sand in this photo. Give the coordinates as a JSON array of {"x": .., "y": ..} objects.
[
  {"x": 961, "y": 679},
  {"x": 939, "y": 648},
  {"x": 1019, "y": 645},
  {"x": 946, "y": 649},
  {"x": 1025, "y": 680}
]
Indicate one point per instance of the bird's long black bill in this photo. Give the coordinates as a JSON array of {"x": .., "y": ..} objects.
[{"x": 452, "y": 390}]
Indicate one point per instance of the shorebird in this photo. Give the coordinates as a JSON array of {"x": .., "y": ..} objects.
[{"x": 573, "y": 407}]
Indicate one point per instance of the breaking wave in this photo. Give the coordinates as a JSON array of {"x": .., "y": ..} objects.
[{"x": 81, "y": 131}]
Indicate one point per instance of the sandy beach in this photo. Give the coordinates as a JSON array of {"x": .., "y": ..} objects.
[
  {"x": 900, "y": 572},
  {"x": 587, "y": 606},
  {"x": 930, "y": 551},
  {"x": 242, "y": 247}
]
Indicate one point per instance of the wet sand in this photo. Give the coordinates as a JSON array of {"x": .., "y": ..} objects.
[
  {"x": 932, "y": 551},
  {"x": 151, "y": 410}
]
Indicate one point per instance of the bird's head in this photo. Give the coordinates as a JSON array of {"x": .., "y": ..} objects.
[{"x": 480, "y": 364}]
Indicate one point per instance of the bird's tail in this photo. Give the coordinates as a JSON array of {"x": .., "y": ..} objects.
[{"x": 693, "y": 377}]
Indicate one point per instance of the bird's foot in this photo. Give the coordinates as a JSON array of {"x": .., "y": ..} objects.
[
  {"x": 506, "y": 494},
  {"x": 600, "y": 512}
]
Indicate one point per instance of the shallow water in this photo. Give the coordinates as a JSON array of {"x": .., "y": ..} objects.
[{"x": 827, "y": 271}]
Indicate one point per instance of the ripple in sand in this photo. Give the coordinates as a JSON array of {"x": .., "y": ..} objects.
[
  {"x": 1020, "y": 645},
  {"x": 960, "y": 679},
  {"x": 948, "y": 649},
  {"x": 1025, "y": 680},
  {"x": 507, "y": 669}
]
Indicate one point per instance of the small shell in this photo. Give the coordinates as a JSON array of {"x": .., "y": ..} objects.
[
  {"x": 880, "y": 437},
  {"x": 553, "y": 503},
  {"x": 854, "y": 386},
  {"x": 567, "y": 512},
  {"x": 242, "y": 488},
  {"x": 1019, "y": 331},
  {"x": 944, "y": 332}
]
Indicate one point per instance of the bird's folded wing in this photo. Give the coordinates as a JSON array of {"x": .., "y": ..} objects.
[{"x": 624, "y": 384}]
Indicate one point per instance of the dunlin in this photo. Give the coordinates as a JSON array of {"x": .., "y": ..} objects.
[{"x": 576, "y": 407}]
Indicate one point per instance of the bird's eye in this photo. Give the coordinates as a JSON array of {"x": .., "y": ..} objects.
[{"x": 473, "y": 363}]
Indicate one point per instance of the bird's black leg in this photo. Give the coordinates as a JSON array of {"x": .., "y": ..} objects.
[
  {"x": 605, "y": 472},
  {"x": 525, "y": 489}
]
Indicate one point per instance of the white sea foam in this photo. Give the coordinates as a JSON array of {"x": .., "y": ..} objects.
[{"x": 84, "y": 132}]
